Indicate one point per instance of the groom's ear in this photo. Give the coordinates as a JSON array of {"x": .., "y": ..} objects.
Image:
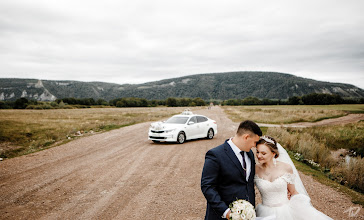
[{"x": 245, "y": 136}]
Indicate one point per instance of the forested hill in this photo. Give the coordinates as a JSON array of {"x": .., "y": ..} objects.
[{"x": 213, "y": 86}]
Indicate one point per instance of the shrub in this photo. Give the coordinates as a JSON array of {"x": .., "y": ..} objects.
[
  {"x": 21, "y": 103},
  {"x": 305, "y": 144},
  {"x": 316, "y": 154},
  {"x": 351, "y": 173},
  {"x": 349, "y": 136}
]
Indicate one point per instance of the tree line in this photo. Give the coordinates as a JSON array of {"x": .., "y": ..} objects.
[
  {"x": 310, "y": 99},
  {"x": 24, "y": 103},
  {"x": 322, "y": 99}
]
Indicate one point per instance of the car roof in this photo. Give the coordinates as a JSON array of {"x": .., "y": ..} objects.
[
  {"x": 181, "y": 115},
  {"x": 188, "y": 113}
]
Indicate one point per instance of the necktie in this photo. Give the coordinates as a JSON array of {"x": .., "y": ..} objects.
[{"x": 244, "y": 163}]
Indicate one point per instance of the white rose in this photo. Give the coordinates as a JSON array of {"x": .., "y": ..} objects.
[
  {"x": 240, "y": 206},
  {"x": 243, "y": 216},
  {"x": 235, "y": 216},
  {"x": 249, "y": 215}
]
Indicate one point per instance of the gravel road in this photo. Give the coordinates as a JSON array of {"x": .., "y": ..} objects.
[{"x": 121, "y": 175}]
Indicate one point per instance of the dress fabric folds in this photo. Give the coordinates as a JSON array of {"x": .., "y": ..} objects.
[{"x": 276, "y": 203}]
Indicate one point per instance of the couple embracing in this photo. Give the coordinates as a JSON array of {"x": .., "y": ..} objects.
[{"x": 230, "y": 171}]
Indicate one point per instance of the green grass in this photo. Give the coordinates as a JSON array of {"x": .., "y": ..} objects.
[
  {"x": 264, "y": 130},
  {"x": 319, "y": 176}
]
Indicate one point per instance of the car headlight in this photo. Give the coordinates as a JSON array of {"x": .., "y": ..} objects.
[{"x": 169, "y": 131}]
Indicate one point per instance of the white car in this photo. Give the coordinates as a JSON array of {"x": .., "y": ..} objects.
[{"x": 180, "y": 128}]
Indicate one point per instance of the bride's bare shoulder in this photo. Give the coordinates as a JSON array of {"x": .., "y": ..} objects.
[
  {"x": 258, "y": 168},
  {"x": 285, "y": 167}
]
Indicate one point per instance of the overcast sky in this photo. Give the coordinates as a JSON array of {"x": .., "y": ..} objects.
[{"x": 141, "y": 41}]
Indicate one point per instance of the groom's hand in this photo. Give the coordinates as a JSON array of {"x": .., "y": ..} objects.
[{"x": 228, "y": 215}]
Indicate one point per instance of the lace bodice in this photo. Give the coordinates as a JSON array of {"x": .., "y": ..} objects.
[{"x": 274, "y": 193}]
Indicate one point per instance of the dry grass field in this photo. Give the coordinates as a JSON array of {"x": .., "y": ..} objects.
[
  {"x": 285, "y": 114},
  {"x": 27, "y": 131}
]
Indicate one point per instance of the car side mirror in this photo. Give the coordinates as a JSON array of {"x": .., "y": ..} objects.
[{"x": 191, "y": 123}]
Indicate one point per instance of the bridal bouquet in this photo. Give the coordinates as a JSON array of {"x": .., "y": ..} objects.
[{"x": 242, "y": 210}]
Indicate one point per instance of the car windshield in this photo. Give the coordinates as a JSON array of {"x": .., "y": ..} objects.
[{"x": 177, "y": 120}]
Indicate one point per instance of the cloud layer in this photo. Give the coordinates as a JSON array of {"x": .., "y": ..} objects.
[{"x": 140, "y": 41}]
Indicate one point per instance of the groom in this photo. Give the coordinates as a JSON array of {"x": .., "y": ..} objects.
[{"x": 228, "y": 173}]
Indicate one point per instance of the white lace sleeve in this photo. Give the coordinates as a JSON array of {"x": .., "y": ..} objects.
[
  {"x": 289, "y": 177},
  {"x": 284, "y": 157}
]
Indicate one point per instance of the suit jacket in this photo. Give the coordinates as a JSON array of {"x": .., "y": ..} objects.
[{"x": 223, "y": 180}]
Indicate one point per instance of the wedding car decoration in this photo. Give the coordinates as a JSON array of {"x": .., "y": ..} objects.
[
  {"x": 242, "y": 210},
  {"x": 182, "y": 127}
]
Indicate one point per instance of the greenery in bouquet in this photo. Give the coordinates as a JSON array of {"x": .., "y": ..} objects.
[{"x": 242, "y": 210}]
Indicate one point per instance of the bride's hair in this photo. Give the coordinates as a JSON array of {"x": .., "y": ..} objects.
[{"x": 269, "y": 142}]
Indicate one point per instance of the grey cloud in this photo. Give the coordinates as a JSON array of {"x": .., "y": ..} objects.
[{"x": 139, "y": 41}]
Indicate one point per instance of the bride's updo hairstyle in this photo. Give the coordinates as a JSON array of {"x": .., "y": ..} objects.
[{"x": 271, "y": 143}]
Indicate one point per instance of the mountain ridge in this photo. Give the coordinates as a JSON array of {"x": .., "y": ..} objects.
[{"x": 208, "y": 86}]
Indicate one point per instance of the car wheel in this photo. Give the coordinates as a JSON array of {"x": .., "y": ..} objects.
[
  {"x": 181, "y": 137},
  {"x": 210, "y": 134},
  {"x": 155, "y": 141}
]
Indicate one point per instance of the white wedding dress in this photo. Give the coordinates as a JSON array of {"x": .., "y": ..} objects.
[{"x": 275, "y": 201}]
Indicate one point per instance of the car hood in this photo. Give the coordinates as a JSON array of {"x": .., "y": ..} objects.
[{"x": 164, "y": 126}]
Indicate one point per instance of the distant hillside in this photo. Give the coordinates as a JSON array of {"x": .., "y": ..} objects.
[{"x": 213, "y": 86}]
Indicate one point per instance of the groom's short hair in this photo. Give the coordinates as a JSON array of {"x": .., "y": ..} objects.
[{"x": 247, "y": 127}]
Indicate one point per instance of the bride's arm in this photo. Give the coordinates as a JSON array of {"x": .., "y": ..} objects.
[
  {"x": 290, "y": 186},
  {"x": 292, "y": 189}
]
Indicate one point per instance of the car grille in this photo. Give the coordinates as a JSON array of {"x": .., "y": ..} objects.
[
  {"x": 160, "y": 138},
  {"x": 157, "y": 131}
]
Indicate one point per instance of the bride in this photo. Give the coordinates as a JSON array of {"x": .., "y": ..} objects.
[{"x": 276, "y": 177}]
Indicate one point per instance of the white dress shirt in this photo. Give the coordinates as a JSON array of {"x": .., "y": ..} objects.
[{"x": 240, "y": 158}]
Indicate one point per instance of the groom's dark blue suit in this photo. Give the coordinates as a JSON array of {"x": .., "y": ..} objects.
[{"x": 223, "y": 180}]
